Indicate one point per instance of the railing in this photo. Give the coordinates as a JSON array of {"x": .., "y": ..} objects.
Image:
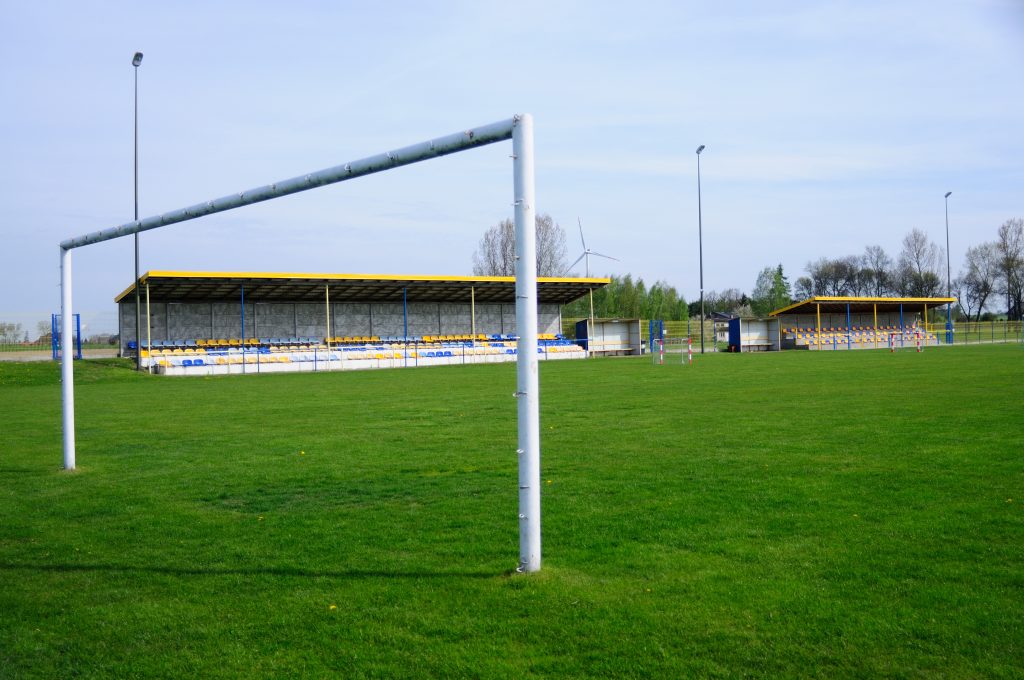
[{"x": 981, "y": 332}]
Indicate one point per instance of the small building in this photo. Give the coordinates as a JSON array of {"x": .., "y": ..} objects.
[
  {"x": 611, "y": 337},
  {"x": 754, "y": 335}
]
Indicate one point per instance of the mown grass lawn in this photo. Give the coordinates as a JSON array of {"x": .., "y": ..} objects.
[{"x": 794, "y": 514}]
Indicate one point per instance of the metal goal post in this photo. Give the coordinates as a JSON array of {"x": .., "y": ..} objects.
[{"x": 519, "y": 129}]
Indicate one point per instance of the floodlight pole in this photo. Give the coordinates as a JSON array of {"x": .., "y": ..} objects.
[
  {"x": 136, "y": 61},
  {"x": 700, "y": 248},
  {"x": 949, "y": 284},
  {"x": 527, "y": 382}
]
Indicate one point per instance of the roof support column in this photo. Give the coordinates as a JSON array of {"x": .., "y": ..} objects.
[
  {"x": 849, "y": 330},
  {"x": 902, "y": 327},
  {"x": 817, "y": 331},
  {"x": 874, "y": 330},
  {"x": 405, "y": 325},
  {"x": 149, "y": 333},
  {"x": 327, "y": 311},
  {"x": 242, "y": 303},
  {"x": 472, "y": 313}
]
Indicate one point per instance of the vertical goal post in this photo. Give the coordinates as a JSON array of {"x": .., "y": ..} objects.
[{"x": 519, "y": 129}]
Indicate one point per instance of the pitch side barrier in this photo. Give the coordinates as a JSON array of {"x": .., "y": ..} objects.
[{"x": 519, "y": 129}]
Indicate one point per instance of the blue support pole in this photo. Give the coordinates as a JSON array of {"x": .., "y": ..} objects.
[
  {"x": 849, "y": 330},
  {"x": 54, "y": 331},
  {"x": 78, "y": 337},
  {"x": 902, "y": 330},
  {"x": 243, "y": 329},
  {"x": 405, "y": 325}
]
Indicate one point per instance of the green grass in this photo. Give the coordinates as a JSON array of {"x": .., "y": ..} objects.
[{"x": 846, "y": 514}]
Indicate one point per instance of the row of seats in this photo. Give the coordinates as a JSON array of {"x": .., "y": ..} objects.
[
  {"x": 840, "y": 329},
  {"x": 343, "y": 354},
  {"x": 862, "y": 337},
  {"x": 294, "y": 343}
]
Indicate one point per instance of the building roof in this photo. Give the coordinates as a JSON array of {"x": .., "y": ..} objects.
[
  {"x": 838, "y": 305},
  {"x": 181, "y": 286}
]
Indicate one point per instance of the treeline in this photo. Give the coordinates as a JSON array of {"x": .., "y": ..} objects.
[
  {"x": 990, "y": 270},
  {"x": 625, "y": 299}
]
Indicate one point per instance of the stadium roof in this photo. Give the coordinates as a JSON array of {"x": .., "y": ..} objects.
[
  {"x": 175, "y": 286},
  {"x": 837, "y": 305}
]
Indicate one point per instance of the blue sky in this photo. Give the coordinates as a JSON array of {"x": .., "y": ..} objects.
[{"x": 829, "y": 127}]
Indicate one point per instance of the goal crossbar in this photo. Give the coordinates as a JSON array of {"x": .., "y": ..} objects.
[{"x": 519, "y": 129}]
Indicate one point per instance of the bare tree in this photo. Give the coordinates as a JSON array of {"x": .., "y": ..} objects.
[
  {"x": 10, "y": 333},
  {"x": 978, "y": 280},
  {"x": 496, "y": 253},
  {"x": 1010, "y": 248},
  {"x": 876, "y": 270},
  {"x": 831, "y": 277},
  {"x": 919, "y": 262},
  {"x": 551, "y": 251}
]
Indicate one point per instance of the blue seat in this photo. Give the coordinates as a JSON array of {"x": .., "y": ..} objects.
[
  {"x": 186, "y": 362},
  {"x": 198, "y": 362},
  {"x": 448, "y": 353}
]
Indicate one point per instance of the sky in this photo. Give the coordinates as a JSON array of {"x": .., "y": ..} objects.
[{"x": 828, "y": 127}]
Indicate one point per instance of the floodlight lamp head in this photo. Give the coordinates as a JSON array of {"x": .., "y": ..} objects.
[
  {"x": 699, "y": 149},
  {"x": 948, "y": 194},
  {"x": 137, "y": 59}
]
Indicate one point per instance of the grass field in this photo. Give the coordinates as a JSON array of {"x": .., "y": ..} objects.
[{"x": 846, "y": 514}]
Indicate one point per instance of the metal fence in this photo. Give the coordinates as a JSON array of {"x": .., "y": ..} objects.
[
  {"x": 981, "y": 332},
  {"x": 678, "y": 331},
  {"x": 28, "y": 336}
]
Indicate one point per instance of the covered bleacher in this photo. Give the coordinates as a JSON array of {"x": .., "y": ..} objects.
[
  {"x": 227, "y": 322},
  {"x": 841, "y": 323}
]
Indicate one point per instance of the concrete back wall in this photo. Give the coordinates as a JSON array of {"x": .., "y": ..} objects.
[
  {"x": 205, "y": 320},
  {"x": 839, "y": 320}
]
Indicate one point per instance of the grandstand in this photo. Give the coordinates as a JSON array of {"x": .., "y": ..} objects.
[
  {"x": 201, "y": 323},
  {"x": 835, "y": 323}
]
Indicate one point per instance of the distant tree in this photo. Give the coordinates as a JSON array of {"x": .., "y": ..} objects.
[
  {"x": 771, "y": 291},
  {"x": 10, "y": 333},
  {"x": 876, "y": 271},
  {"x": 918, "y": 266},
  {"x": 833, "y": 277},
  {"x": 626, "y": 298},
  {"x": 978, "y": 280},
  {"x": 496, "y": 253},
  {"x": 804, "y": 288},
  {"x": 1010, "y": 247}
]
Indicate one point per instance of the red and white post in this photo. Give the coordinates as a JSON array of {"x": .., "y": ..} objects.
[
  {"x": 689, "y": 350},
  {"x": 661, "y": 351}
]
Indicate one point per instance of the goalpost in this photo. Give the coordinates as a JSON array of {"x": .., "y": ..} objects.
[{"x": 520, "y": 129}]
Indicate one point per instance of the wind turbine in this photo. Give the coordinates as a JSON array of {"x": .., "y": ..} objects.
[{"x": 587, "y": 252}]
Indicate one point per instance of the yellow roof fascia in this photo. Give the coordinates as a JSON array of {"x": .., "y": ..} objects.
[{"x": 820, "y": 299}]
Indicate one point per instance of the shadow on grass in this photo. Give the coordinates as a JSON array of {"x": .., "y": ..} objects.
[{"x": 251, "y": 571}]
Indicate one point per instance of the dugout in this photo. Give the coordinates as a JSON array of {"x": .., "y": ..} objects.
[
  {"x": 178, "y": 305},
  {"x": 612, "y": 337},
  {"x": 835, "y": 323},
  {"x": 754, "y": 335}
]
